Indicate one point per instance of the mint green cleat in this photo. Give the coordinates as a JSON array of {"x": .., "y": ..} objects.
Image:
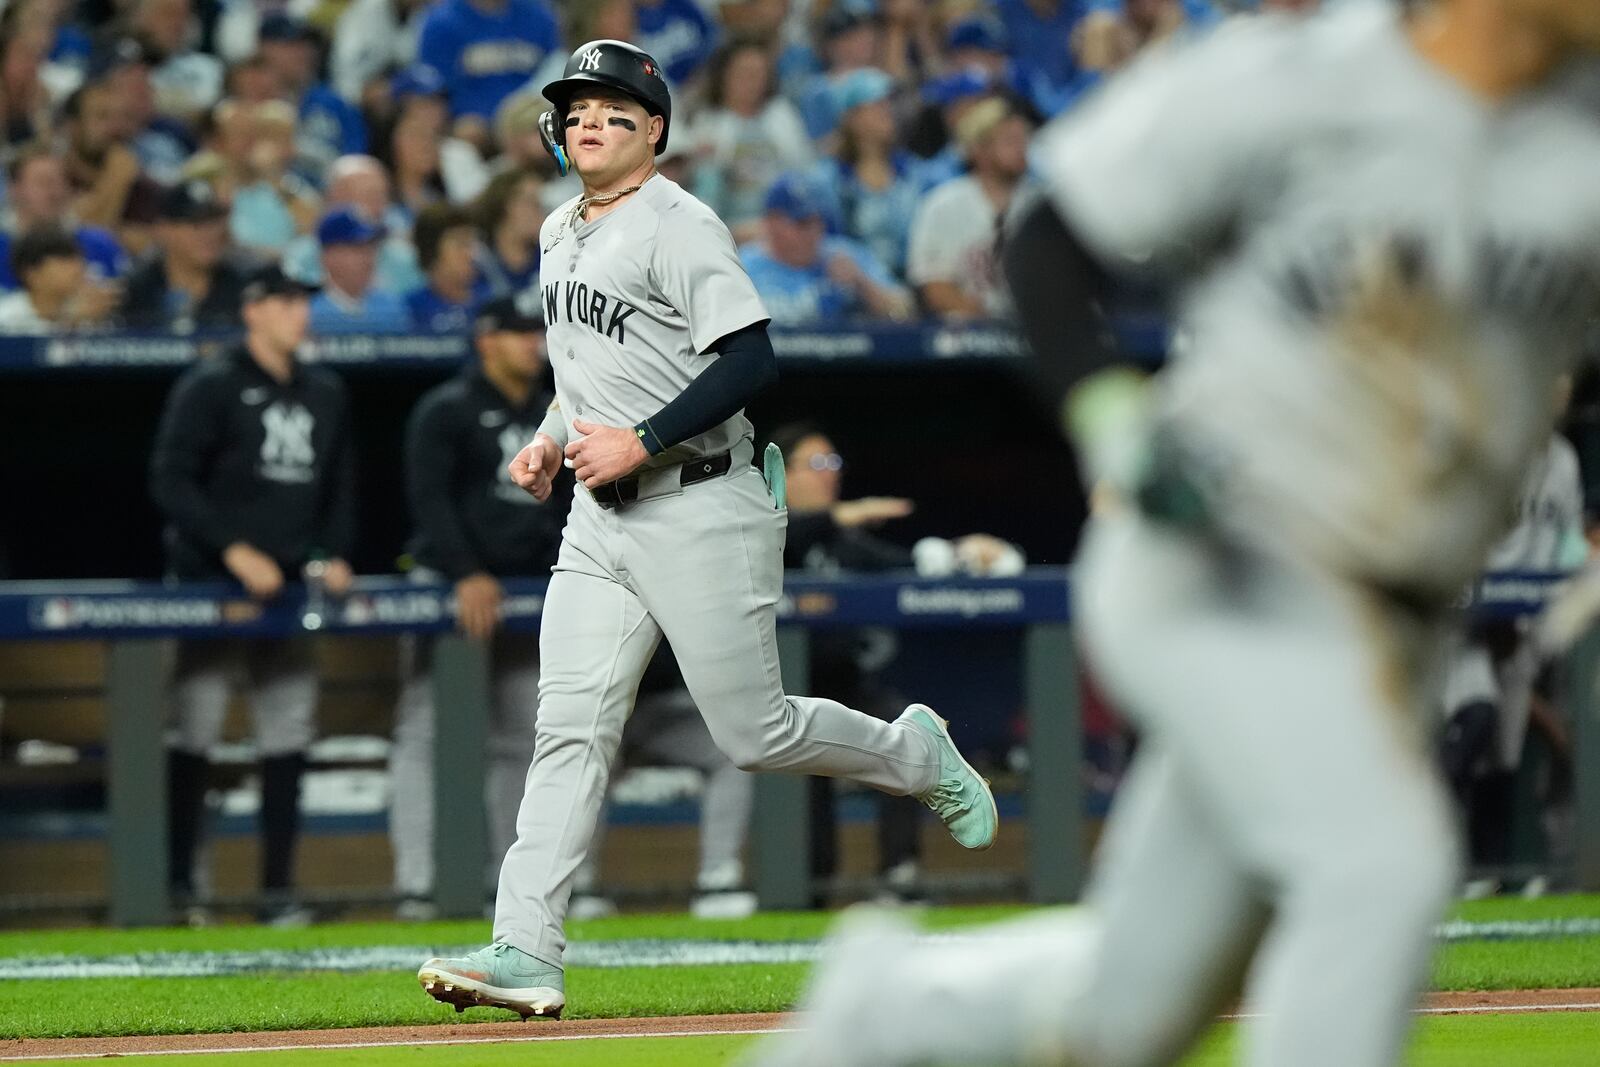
[
  {"x": 962, "y": 798},
  {"x": 500, "y": 976}
]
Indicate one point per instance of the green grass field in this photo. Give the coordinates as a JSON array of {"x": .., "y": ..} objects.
[{"x": 311, "y": 999}]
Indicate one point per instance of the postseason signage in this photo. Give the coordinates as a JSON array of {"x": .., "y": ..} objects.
[
  {"x": 131, "y": 350},
  {"x": 395, "y": 605}
]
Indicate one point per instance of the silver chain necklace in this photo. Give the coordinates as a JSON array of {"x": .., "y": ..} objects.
[{"x": 583, "y": 205}]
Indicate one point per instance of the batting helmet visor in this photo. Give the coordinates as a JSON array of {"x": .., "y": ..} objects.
[{"x": 617, "y": 65}]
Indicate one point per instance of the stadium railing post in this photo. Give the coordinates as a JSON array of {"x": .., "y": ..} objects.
[
  {"x": 460, "y": 739},
  {"x": 781, "y": 820},
  {"x": 1057, "y": 834},
  {"x": 136, "y": 793},
  {"x": 1582, "y": 675}
]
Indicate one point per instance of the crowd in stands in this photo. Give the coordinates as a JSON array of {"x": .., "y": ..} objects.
[{"x": 862, "y": 151}]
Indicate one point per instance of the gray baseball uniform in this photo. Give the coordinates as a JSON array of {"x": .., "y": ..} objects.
[
  {"x": 1385, "y": 272},
  {"x": 634, "y": 301},
  {"x": 1547, "y": 536}
]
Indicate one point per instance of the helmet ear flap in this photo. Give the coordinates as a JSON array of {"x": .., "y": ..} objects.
[{"x": 555, "y": 141}]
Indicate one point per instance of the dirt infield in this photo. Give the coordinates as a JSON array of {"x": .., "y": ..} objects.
[{"x": 1520, "y": 1000}]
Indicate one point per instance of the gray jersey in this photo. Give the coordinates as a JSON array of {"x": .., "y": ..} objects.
[
  {"x": 1389, "y": 272},
  {"x": 632, "y": 303},
  {"x": 1548, "y": 531}
]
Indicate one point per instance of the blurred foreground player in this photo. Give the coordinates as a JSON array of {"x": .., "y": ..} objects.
[
  {"x": 1389, "y": 236},
  {"x": 254, "y": 471}
]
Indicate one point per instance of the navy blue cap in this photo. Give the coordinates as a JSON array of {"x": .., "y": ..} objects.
[
  {"x": 271, "y": 280},
  {"x": 976, "y": 33},
  {"x": 793, "y": 196},
  {"x": 114, "y": 54},
  {"x": 958, "y": 85},
  {"x": 281, "y": 27},
  {"x": 191, "y": 201},
  {"x": 513, "y": 314},
  {"x": 846, "y": 15},
  {"x": 348, "y": 226},
  {"x": 419, "y": 79}
]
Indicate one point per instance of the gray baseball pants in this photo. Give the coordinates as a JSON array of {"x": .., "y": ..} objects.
[
  {"x": 702, "y": 566},
  {"x": 279, "y": 676},
  {"x": 513, "y": 709}
]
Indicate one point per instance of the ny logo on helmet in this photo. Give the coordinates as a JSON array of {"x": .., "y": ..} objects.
[{"x": 590, "y": 60}]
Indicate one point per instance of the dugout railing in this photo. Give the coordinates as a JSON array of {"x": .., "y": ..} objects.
[{"x": 134, "y": 619}]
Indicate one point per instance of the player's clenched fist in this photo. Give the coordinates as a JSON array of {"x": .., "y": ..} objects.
[
  {"x": 535, "y": 466},
  {"x": 604, "y": 453}
]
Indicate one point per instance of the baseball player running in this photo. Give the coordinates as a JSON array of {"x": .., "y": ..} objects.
[
  {"x": 1390, "y": 237},
  {"x": 658, "y": 339}
]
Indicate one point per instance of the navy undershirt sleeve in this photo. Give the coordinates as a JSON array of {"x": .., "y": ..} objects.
[{"x": 744, "y": 366}]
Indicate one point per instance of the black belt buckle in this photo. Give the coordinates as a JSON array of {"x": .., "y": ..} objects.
[
  {"x": 704, "y": 468},
  {"x": 615, "y": 494}
]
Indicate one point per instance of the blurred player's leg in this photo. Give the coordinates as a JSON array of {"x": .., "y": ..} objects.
[
  {"x": 594, "y": 643},
  {"x": 411, "y": 775},
  {"x": 1294, "y": 705},
  {"x": 283, "y": 704},
  {"x": 200, "y": 685},
  {"x": 678, "y": 737},
  {"x": 515, "y": 712},
  {"x": 1127, "y": 980}
]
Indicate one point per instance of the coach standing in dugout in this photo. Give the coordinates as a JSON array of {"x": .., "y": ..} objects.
[
  {"x": 254, "y": 470},
  {"x": 474, "y": 526}
]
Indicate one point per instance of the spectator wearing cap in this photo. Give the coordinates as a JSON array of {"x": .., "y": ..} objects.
[
  {"x": 952, "y": 254},
  {"x": 271, "y": 203},
  {"x": 978, "y": 43},
  {"x": 487, "y": 50},
  {"x": 39, "y": 193},
  {"x": 361, "y": 182},
  {"x": 187, "y": 82},
  {"x": 189, "y": 283},
  {"x": 871, "y": 184},
  {"x": 110, "y": 189},
  {"x": 329, "y": 126},
  {"x": 371, "y": 38},
  {"x": 162, "y": 143},
  {"x": 253, "y": 469},
  {"x": 509, "y": 215},
  {"x": 56, "y": 295},
  {"x": 852, "y": 33},
  {"x": 348, "y": 302},
  {"x": 678, "y": 34},
  {"x": 446, "y": 243},
  {"x": 471, "y": 530},
  {"x": 744, "y": 136},
  {"x": 805, "y": 276}
]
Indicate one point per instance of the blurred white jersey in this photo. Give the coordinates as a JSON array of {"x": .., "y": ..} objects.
[
  {"x": 1389, "y": 271},
  {"x": 1547, "y": 534}
]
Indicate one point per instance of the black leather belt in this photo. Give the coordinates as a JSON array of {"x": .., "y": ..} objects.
[{"x": 626, "y": 490}]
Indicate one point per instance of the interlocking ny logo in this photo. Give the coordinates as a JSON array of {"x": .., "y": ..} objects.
[
  {"x": 512, "y": 438},
  {"x": 288, "y": 440},
  {"x": 590, "y": 60}
]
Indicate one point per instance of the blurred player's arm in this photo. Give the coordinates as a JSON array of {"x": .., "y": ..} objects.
[
  {"x": 431, "y": 464},
  {"x": 1145, "y": 179},
  {"x": 336, "y": 533},
  {"x": 186, "y": 443}
]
